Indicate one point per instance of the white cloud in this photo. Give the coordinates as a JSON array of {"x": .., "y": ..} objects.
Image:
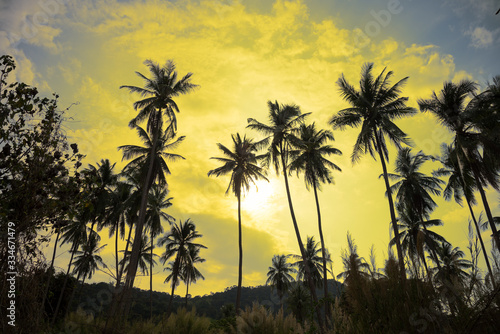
[{"x": 481, "y": 37}]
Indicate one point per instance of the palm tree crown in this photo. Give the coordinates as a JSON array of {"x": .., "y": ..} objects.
[
  {"x": 158, "y": 93},
  {"x": 241, "y": 163},
  {"x": 279, "y": 274}
]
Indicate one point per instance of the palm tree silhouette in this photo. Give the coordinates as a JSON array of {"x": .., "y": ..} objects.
[
  {"x": 413, "y": 190},
  {"x": 452, "y": 275},
  {"x": 284, "y": 120},
  {"x": 461, "y": 184},
  {"x": 279, "y": 275},
  {"x": 158, "y": 96},
  {"x": 374, "y": 107},
  {"x": 355, "y": 267},
  {"x": 177, "y": 243},
  {"x": 461, "y": 118},
  {"x": 242, "y": 164},
  {"x": 309, "y": 157},
  {"x": 190, "y": 274},
  {"x": 315, "y": 262},
  {"x": 157, "y": 202},
  {"x": 415, "y": 236},
  {"x": 146, "y": 257}
]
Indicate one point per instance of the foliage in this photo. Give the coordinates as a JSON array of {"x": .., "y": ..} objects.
[{"x": 39, "y": 179}]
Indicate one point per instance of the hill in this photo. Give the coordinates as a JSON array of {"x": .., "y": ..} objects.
[{"x": 96, "y": 298}]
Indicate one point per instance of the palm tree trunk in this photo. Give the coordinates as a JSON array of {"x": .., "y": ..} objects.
[
  {"x": 136, "y": 247},
  {"x": 323, "y": 252},
  {"x": 151, "y": 279},
  {"x": 301, "y": 245},
  {"x": 116, "y": 250},
  {"x": 73, "y": 293},
  {"x": 240, "y": 259},
  {"x": 391, "y": 209},
  {"x": 50, "y": 271},
  {"x": 73, "y": 251},
  {"x": 478, "y": 231},
  {"x": 175, "y": 273},
  {"x": 496, "y": 236},
  {"x": 186, "y": 298},
  {"x": 122, "y": 268}
]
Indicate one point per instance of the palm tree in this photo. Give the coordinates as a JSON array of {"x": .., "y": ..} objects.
[
  {"x": 284, "y": 120},
  {"x": 374, "y": 107},
  {"x": 315, "y": 262},
  {"x": 177, "y": 243},
  {"x": 452, "y": 273},
  {"x": 146, "y": 257},
  {"x": 461, "y": 118},
  {"x": 87, "y": 261},
  {"x": 461, "y": 184},
  {"x": 75, "y": 233},
  {"x": 157, "y": 202},
  {"x": 190, "y": 273},
  {"x": 116, "y": 216},
  {"x": 242, "y": 164},
  {"x": 157, "y": 98},
  {"x": 355, "y": 267},
  {"x": 413, "y": 189},
  {"x": 415, "y": 235},
  {"x": 279, "y": 275},
  {"x": 299, "y": 301},
  {"x": 309, "y": 157}
]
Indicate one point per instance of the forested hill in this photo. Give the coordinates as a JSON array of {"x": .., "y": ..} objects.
[{"x": 96, "y": 296}]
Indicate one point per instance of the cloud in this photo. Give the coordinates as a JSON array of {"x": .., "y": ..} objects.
[{"x": 481, "y": 37}]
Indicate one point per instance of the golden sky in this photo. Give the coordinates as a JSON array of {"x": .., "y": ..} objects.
[{"x": 242, "y": 54}]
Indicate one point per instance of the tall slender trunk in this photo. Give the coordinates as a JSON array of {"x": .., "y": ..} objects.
[
  {"x": 312, "y": 288},
  {"x": 240, "y": 258},
  {"x": 122, "y": 267},
  {"x": 402, "y": 268},
  {"x": 151, "y": 279},
  {"x": 187, "y": 293},
  {"x": 496, "y": 236},
  {"x": 116, "y": 249},
  {"x": 323, "y": 252},
  {"x": 117, "y": 294},
  {"x": 136, "y": 246},
  {"x": 472, "y": 165},
  {"x": 46, "y": 292},
  {"x": 478, "y": 231},
  {"x": 175, "y": 273},
  {"x": 73, "y": 251}
]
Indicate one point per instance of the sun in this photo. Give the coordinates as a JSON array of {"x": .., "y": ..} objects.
[{"x": 259, "y": 198}]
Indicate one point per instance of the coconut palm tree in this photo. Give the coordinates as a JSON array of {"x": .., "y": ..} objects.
[
  {"x": 146, "y": 258},
  {"x": 453, "y": 112},
  {"x": 177, "y": 243},
  {"x": 374, "y": 107},
  {"x": 157, "y": 203},
  {"x": 299, "y": 301},
  {"x": 242, "y": 164},
  {"x": 315, "y": 262},
  {"x": 157, "y": 96},
  {"x": 416, "y": 237},
  {"x": 413, "y": 189},
  {"x": 190, "y": 274},
  {"x": 279, "y": 275},
  {"x": 461, "y": 184},
  {"x": 452, "y": 275},
  {"x": 309, "y": 157},
  {"x": 87, "y": 261},
  {"x": 116, "y": 216},
  {"x": 355, "y": 267},
  {"x": 283, "y": 122}
]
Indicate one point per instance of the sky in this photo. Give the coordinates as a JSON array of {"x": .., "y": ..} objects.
[{"x": 243, "y": 54}]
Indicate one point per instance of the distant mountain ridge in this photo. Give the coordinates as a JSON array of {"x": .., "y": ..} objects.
[{"x": 96, "y": 298}]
